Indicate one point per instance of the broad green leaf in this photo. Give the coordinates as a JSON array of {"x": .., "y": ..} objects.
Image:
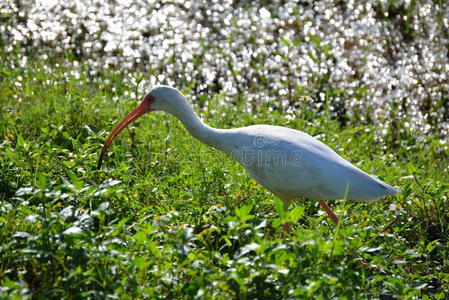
[
  {"x": 154, "y": 249},
  {"x": 140, "y": 237},
  {"x": 78, "y": 184},
  {"x": 279, "y": 205},
  {"x": 140, "y": 262},
  {"x": 296, "y": 213}
]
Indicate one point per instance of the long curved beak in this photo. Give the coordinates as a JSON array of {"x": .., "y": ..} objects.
[{"x": 138, "y": 111}]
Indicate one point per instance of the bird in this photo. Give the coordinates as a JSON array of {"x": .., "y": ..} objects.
[{"x": 288, "y": 162}]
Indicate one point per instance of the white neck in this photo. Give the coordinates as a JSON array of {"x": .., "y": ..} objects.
[{"x": 197, "y": 128}]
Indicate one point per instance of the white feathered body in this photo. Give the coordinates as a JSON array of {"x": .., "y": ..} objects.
[{"x": 292, "y": 164}]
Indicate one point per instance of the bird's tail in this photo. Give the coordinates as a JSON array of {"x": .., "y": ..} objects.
[{"x": 392, "y": 190}]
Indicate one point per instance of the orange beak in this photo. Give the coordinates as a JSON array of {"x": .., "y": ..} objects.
[{"x": 140, "y": 110}]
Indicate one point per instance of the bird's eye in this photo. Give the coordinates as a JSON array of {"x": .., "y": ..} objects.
[{"x": 150, "y": 98}]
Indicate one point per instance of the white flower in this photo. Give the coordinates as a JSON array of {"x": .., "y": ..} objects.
[{"x": 397, "y": 208}]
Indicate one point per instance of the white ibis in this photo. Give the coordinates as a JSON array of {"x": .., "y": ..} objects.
[{"x": 289, "y": 163}]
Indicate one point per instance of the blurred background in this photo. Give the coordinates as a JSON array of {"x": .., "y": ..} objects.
[{"x": 360, "y": 61}]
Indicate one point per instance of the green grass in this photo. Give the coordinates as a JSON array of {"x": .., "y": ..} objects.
[{"x": 168, "y": 217}]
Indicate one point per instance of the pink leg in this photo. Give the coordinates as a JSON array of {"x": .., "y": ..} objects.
[
  {"x": 329, "y": 211},
  {"x": 286, "y": 229},
  {"x": 287, "y": 226}
]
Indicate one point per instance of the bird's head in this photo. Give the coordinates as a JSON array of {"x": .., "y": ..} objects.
[
  {"x": 159, "y": 98},
  {"x": 164, "y": 98}
]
